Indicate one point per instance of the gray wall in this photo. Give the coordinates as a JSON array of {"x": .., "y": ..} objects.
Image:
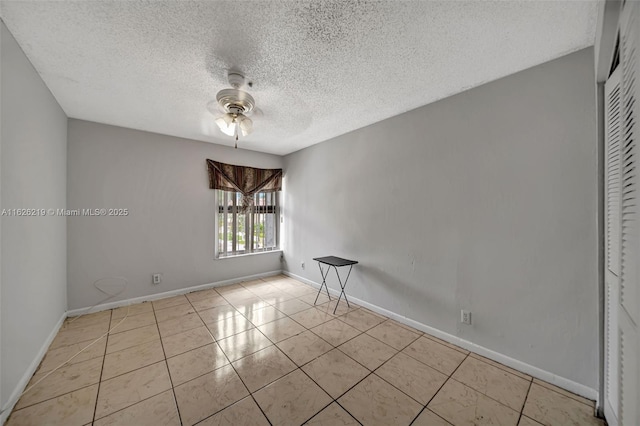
[
  {"x": 170, "y": 229},
  {"x": 485, "y": 201},
  {"x": 33, "y": 175}
]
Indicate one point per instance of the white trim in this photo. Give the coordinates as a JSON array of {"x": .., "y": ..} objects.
[
  {"x": 254, "y": 253},
  {"x": 536, "y": 372},
  {"x": 169, "y": 293},
  {"x": 22, "y": 384}
]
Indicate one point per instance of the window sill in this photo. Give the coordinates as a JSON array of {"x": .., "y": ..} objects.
[{"x": 235, "y": 256}]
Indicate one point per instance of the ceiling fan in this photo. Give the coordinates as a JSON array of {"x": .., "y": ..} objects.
[{"x": 233, "y": 108}]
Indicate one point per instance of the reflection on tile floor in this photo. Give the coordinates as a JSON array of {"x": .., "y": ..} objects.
[{"x": 260, "y": 353}]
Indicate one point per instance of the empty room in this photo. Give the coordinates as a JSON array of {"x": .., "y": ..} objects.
[{"x": 319, "y": 212}]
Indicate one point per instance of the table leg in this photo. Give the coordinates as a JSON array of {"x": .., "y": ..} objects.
[
  {"x": 342, "y": 286},
  {"x": 324, "y": 283}
]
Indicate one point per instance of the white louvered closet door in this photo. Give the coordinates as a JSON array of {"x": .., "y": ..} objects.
[
  {"x": 629, "y": 307},
  {"x": 613, "y": 131}
]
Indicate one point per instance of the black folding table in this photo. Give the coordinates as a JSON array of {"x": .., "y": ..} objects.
[{"x": 336, "y": 262}]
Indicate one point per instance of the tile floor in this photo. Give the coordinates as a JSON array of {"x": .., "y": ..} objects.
[{"x": 259, "y": 353}]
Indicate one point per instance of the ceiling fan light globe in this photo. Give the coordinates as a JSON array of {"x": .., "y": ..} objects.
[
  {"x": 246, "y": 125},
  {"x": 227, "y": 124}
]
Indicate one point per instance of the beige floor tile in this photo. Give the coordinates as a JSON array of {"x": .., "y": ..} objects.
[
  {"x": 186, "y": 341},
  {"x": 565, "y": 392},
  {"x": 494, "y": 382},
  {"x": 263, "y": 289},
  {"x": 375, "y": 402},
  {"x": 281, "y": 329},
  {"x": 440, "y": 357},
  {"x": 126, "y": 360},
  {"x": 292, "y": 306},
  {"x": 414, "y": 378},
  {"x": 130, "y": 322},
  {"x": 55, "y": 357},
  {"x": 127, "y": 339},
  {"x": 333, "y": 415},
  {"x": 335, "y": 332},
  {"x": 74, "y": 335},
  {"x": 368, "y": 351},
  {"x": 169, "y": 301},
  {"x": 301, "y": 291},
  {"x": 362, "y": 319},
  {"x": 263, "y": 367},
  {"x": 178, "y": 325},
  {"x": 228, "y": 289},
  {"x": 335, "y": 372},
  {"x": 429, "y": 418},
  {"x": 291, "y": 400},
  {"x": 74, "y": 408},
  {"x": 304, "y": 347},
  {"x": 195, "y": 363},
  {"x": 552, "y": 408},
  {"x": 159, "y": 410},
  {"x": 248, "y": 305},
  {"x": 310, "y": 318},
  {"x": 239, "y": 296},
  {"x": 274, "y": 278},
  {"x": 310, "y": 298},
  {"x": 174, "y": 312},
  {"x": 218, "y": 313},
  {"x": 208, "y": 303},
  {"x": 252, "y": 283},
  {"x": 502, "y": 367},
  {"x": 461, "y": 405},
  {"x": 481, "y": 391},
  {"x": 130, "y": 388},
  {"x": 264, "y": 315},
  {"x": 393, "y": 334},
  {"x": 243, "y": 413},
  {"x": 229, "y": 326},
  {"x": 66, "y": 379},
  {"x": 96, "y": 318},
  {"x": 277, "y": 297},
  {"x": 407, "y": 327},
  {"x": 342, "y": 307},
  {"x": 208, "y": 394},
  {"x": 445, "y": 343},
  {"x": 526, "y": 421},
  {"x": 243, "y": 344},
  {"x": 202, "y": 295},
  {"x": 135, "y": 309}
]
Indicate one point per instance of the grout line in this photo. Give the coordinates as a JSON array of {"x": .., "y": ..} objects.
[
  {"x": 311, "y": 378},
  {"x": 525, "y": 401},
  {"x": 330, "y": 317},
  {"x": 166, "y": 364},
  {"x": 104, "y": 356},
  {"x": 438, "y": 391},
  {"x": 234, "y": 369}
]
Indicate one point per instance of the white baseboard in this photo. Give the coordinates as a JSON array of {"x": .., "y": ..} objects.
[
  {"x": 536, "y": 372},
  {"x": 156, "y": 296},
  {"x": 22, "y": 384}
]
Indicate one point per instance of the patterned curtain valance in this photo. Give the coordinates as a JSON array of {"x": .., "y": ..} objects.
[{"x": 246, "y": 180}]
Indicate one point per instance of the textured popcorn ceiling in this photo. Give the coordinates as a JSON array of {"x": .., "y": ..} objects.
[{"x": 319, "y": 68}]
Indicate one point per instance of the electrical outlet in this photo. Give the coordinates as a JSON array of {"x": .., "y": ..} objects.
[
  {"x": 157, "y": 278},
  {"x": 465, "y": 317},
  {"x": 302, "y": 265}
]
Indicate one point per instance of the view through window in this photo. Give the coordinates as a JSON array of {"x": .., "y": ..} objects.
[{"x": 252, "y": 231}]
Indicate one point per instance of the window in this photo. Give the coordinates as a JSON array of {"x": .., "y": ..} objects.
[{"x": 252, "y": 231}]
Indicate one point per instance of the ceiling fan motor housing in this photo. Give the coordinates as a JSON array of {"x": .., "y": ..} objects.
[{"x": 235, "y": 101}]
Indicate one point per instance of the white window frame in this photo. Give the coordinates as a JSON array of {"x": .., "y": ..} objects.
[{"x": 249, "y": 249}]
